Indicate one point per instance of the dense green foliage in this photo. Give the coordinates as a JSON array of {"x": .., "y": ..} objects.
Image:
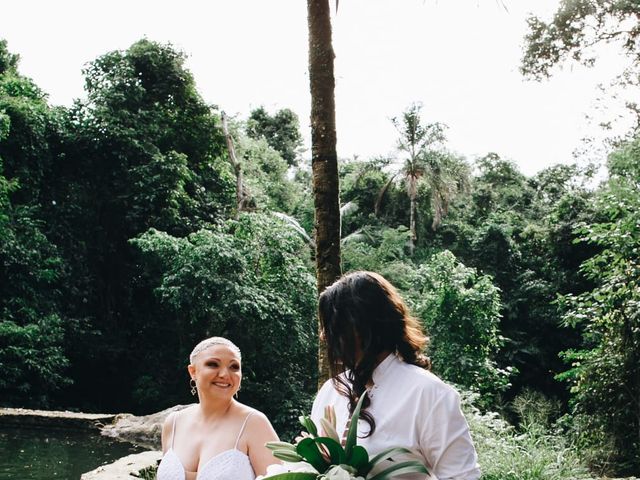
[
  {"x": 96, "y": 313},
  {"x": 281, "y": 131},
  {"x": 265, "y": 175},
  {"x": 461, "y": 311},
  {"x": 536, "y": 450},
  {"x": 143, "y": 150},
  {"x": 121, "y": 247},
  {"x": 605, "y": 372},
  {"x": 246, "y": 280},
  {"x": 520, "y": 231},
  {"x": 32, "y": 328}
]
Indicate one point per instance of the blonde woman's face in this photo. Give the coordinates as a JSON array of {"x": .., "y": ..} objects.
[{"x": 217, "y": 371}]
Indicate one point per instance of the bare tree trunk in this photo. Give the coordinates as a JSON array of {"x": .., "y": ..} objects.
[
  {"x": 378, "y": 204},
  {"x": 412, "y": 225},
  {"x": 237, "y": 167},
  {"x": 324, "y": 159}
]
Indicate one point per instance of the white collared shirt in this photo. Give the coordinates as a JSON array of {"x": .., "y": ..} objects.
[{"x": 414, "y": 409}]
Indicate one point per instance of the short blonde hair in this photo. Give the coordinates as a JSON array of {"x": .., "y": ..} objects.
[{"x": 210, "y": 342}]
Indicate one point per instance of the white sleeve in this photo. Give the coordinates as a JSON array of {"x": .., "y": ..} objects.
[
  {"x": 321, "y": 400},
  {"x": 445, "y": 440}
]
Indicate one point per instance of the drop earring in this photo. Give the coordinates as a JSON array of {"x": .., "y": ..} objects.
[{"x": 192, "y": 382}]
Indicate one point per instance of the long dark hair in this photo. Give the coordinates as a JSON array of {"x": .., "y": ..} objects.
[{"x": 362, "y": 315}]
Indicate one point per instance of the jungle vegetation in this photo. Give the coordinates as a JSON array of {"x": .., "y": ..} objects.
[{"x": 122, "y": 244}]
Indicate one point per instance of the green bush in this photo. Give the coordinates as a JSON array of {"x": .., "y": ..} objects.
[
  {"x": 531, "y": 452},
  {"x": 460, "y": 309},
  {"x": 246, "y": 280},
  {"x": 605, "y": 373}
]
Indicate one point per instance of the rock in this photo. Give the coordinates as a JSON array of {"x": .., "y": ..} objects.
[
  {"x": 125, "y": 468},
  {"x": 23, "y": 417},
  {"x": 145, "y": 430}
]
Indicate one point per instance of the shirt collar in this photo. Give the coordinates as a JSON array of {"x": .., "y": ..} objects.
[{"x": 383, "y": 367}]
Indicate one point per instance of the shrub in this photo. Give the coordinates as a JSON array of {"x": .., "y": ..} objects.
[
  {"x": 532, "y": 452},
  {"x": 246, "y": 280},
  {"x": 460, "y": 309}
]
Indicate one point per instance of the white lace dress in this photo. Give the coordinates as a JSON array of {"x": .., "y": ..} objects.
[{"x": 231, "y": 464}]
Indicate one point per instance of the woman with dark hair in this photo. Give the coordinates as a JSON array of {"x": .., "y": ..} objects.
[{"x": 376, "y": 347}]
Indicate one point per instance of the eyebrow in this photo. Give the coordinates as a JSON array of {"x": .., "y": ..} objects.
[{"x": 219, "y": 359}]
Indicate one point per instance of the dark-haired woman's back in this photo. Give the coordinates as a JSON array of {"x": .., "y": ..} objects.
[
  {"x": 375, "y": 344},
  {"x": 414, "y": 409}
]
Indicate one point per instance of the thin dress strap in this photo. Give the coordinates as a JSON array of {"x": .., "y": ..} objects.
[
  {"x": 173, "y": 429},
  {"x": 242, "y": 429}
]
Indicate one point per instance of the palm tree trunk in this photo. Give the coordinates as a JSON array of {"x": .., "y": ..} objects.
[
  {"x": 324, "y": 159},
  {"x": 412, "y": 224},
  {"x": 412, "y": 189}
]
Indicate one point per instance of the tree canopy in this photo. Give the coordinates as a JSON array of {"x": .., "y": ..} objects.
[{"x": 576, "y": 28}]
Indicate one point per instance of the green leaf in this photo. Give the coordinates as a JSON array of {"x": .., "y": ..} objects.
[
  {"x": 389, "y": 452},
  {"x": 401, "y": 468},
  {"x": 336, "y": 451},
  {"x": 359, "y": 458},
  {"x": 308, "y": 449},
  {"x": 352, "y": 435},
  {"x": 295, "y": 476}
]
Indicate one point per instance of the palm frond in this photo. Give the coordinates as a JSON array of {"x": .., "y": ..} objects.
[
  {"x": 348, "y": 208},
  {"x": 293, "y": 223}
]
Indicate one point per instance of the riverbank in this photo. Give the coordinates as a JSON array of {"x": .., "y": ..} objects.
[{"x": 26, "y": 418}]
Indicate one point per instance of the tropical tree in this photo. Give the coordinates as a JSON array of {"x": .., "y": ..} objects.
[
  {"x": 605, "y": 372},
  {"x": 324, "y": 158},
  {"x": 246, "y": 279},
  {"x": 576, "y": 27},
  {"x": 143, "y": 150},
  {"x": 425, "y": 161},
  {"x": 281, "y": 131},
  {"x": 33, "y": 330}
]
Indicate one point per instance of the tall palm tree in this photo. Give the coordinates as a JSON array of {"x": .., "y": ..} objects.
[
  {"x": 324, "y": 159},
  {"x": 426, "y": 161}
]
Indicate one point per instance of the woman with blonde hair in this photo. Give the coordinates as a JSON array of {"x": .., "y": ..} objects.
[{"x": 218, "y": 438}]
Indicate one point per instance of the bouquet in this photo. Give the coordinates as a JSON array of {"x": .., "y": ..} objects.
[{"x": 317, "y": 457}]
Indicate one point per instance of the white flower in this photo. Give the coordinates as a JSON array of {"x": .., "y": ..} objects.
[
  {"x": 286, "y": 467},
  {"x": 338, "y": 473},
  {"x": 301, "y": 467},
  {"x": 274, "y": 469}
]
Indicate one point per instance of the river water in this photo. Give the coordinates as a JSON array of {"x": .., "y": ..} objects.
[{"x": 39, "y": 454}]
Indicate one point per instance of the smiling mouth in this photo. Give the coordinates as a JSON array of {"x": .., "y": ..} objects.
[{"x": 222, "y": 385}]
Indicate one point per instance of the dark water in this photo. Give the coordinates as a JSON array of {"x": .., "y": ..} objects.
[{"x": 39, "y": 454}]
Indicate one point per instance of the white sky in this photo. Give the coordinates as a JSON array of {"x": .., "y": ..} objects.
[{"x": 459, "y": 58}]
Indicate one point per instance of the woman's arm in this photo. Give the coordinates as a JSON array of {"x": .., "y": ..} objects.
[
  {"x": 446, "y": 442},
  {"x": 259, "y": 431}
]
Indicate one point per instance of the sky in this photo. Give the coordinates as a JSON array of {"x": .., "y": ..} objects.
[{"x": 458, "y": 58}]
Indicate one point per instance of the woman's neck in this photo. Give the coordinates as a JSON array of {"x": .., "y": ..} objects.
[{"x": 213, "y": 410}]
